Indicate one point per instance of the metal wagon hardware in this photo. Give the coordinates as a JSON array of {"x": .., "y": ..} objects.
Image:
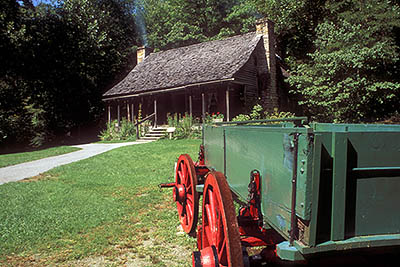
[{"x": 302, "y": 191}]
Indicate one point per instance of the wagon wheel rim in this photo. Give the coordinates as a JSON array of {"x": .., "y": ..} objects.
[
  {"x": 219, "y": 224},
  {"x": 185, "y": 194}
]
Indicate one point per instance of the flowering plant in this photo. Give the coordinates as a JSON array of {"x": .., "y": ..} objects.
[{"x": 217, "y": 116}]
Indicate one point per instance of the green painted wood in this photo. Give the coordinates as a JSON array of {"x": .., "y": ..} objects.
[
  {"x": 316, "y": 171},
  {"x": 214, "y": 147},
  {"x": 339, "y": 141},
  {"x": 275, "y": 167},
  {"x": 332, "y": 127},
  {"x": 348, "y": 179},
  {"x": 374, "y": 241}
]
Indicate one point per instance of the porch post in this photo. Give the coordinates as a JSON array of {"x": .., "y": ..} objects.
[
  {"x": 227, "y": 103},
  {"x": 109, "y": 113},
  {"x": 133, "y": 112},
  {"x": 155, "y": 112},
  {"x": 203, "y": 107},
  {"x": 190, "y": 106},
  {"x": 118, "y": 116},
  {"x": 128, "y": 112}
]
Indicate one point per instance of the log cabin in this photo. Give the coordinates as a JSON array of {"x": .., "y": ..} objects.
[{"x": 222, "y": 76}]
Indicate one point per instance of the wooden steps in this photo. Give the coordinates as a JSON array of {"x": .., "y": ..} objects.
[{"x": 155, "y": 133}]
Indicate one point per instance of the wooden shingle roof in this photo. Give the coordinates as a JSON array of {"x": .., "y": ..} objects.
[{"x": 199, "y": 63}]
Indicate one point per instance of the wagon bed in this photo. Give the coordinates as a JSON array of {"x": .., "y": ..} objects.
[
  {"x": 305, "y": 190},
  {"x": 348, "y": 179}
]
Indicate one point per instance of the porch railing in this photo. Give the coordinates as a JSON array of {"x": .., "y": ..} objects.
[{"x": 140, "y": 122}]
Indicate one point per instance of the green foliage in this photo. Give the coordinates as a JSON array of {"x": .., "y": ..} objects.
[
  {"x": 353, "y": 73},
  {"x": 126, "y": 131},
  {"x": 38, "y": 124},
  {"x": 214, "y": 117},
  {"x": 278, "y": 115},
  {"x": 60, "y": 57},
  {"x": 217, "y": 116},
  {"x": 171, "y": 23},
  {"x": 185, "y": 126},
  {"x": 295, "y": 24},
  {"x": 343, "y": 55},
  {"x": 257, "y": 113}
]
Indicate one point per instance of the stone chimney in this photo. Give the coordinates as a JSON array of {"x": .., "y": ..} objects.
[
  {"x": 270, "y": 95},
  {"x": 142, "y": 53}
]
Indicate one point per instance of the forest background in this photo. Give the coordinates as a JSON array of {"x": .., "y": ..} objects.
[{"x": 59, "y": 56}]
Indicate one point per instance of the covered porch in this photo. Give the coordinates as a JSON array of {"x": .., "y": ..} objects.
[{"x": 226, "y": 97}]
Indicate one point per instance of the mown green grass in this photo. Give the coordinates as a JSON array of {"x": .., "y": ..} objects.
[
  {"x": 107, "y": 208},
  {"x": 17, "y": 158}
]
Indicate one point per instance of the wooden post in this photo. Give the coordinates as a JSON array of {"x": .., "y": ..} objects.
[
  {"x": 128, "y": 112},
  {"x": 109, "y": 114},
  {"x": 119, "y": 116},
  {"x": 190, "y": 106},
  {"x": 155, "y": 112},
  {"x": 133, "y": 112},
  {"x": 227, "y": 104},
  {"x": 186, "y": 101},
  {"x": 203, "y": 107}
]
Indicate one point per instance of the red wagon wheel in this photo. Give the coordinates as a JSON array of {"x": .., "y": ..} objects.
[
  {"x": 220, "y": 239},
  {"x": 185, "y": 195}
]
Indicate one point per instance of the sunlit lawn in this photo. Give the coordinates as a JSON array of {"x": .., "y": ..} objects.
[
  {"x": 105, "y": 209},
  {"x": 16, "y": 158}
]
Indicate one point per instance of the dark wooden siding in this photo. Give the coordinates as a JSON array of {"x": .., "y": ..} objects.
[{"x": 251, "y": 72}]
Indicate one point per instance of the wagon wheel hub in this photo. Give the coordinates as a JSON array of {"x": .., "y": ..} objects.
[
  {"x": 207, "y": 257},
  {"x": 179, "y": 193}
]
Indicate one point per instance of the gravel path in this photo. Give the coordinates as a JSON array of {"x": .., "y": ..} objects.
[{"x": 33, "y": 168}]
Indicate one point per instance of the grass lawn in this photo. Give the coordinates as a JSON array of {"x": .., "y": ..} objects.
[
  {"x": 105, "y": 210},
  {"x": 17, "y": 158}
]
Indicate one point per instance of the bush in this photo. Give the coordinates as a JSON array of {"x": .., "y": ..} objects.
[
  {"x": 258, "y": 114},
  {"x": 126, "y": 131},
  {"x": 185, "y": 126},
  {"x": 38, "y": 125},
  {"x": 210, "y": 118}
]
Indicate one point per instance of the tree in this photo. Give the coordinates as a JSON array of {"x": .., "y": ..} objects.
[
  {"x": 353, "y": 74},
  {"x": 12, "y": 87},
  {"x": 58, "y": 61},
  {"x": 295, "y": 24},
  {"x": 174, "y": 23}
]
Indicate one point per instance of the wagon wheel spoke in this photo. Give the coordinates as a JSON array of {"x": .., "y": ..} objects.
[
  {"x": 189, "y": 188},
  {"x": 222, "y": 250},
  {"x": 189, "y": 212},
  {"x": 190, "y": 200},
  {"x": 179, "y": 207},
  {"x": 184, "y": 173}
]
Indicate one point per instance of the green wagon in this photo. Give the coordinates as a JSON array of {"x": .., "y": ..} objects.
[{"x": 303, "y": 191}]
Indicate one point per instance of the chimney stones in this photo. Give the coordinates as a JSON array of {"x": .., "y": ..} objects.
[
  {"x": 142, "y": 53},
  {"x": 269, "y": 95}
]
